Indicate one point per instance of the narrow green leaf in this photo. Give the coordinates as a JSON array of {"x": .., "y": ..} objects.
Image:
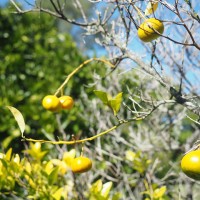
[
  {"x": 103, "y": 96},
  {"x": 4, "y": 163},
  {"x": 18, "y": 117},
  {"x": 53, "y": 176},
  {"x": 8, "y": 154},
  {"x": 106, "y": 189},
  {"x": 5, "y": 143}
]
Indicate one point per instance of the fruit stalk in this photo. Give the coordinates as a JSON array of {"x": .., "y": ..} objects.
[{"x": 78, "y": 68}]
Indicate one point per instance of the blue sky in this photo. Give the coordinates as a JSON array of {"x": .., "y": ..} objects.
[{"x": 3, "y": 2}]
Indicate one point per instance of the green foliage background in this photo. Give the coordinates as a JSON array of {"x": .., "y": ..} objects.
[{"x": 35, "y": 59}]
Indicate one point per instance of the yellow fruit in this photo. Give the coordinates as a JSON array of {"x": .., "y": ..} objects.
[
  {"x": 190, "y": 164},
  {"x": 52, "y": 103},
  {"x": 67, "y": 102},
  {"x": 147, "y": 30},
  {"x": 81, "y": 164}
]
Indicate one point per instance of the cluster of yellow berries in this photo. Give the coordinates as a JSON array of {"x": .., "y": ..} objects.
[{"x": 55, "y": 104}]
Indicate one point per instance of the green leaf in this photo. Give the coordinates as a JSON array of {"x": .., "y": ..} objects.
[
  {"x": 7, "y": 141},
  {"x": 159, "y": 192},
  {"x": 103, "y": 96},
  {"x": 117, "y": 196},
  {"x": 57, "y": 195},
  {"x": 106, "y": 189},
  {"x": 8, "y": 154},
  {"x": 53, "y": 176},
  {"x": 18, "y": 117},
  {"x": 96, "y": 187},
  {"x": 30, "y": 197},
  {"x": 4, "y": 163},
  {"x": 38, "y": 155},
  {"x": 115, "y": 103}
]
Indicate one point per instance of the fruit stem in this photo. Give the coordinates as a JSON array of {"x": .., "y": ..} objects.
[
  {"x": 61, "y": 92},
  {"x": 82, "y": 149},
  {"x": 78, "y": 68},
  {"x": 139, "y": 12}
]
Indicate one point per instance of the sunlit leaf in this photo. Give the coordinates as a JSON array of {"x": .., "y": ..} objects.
[
  {"x": 159, "y": 192},
  {"x": 53, "y": 176},
  {"x": 36, "y": 146},
  {"x": 16, "y": 159},
  {"x": 69, "y": 156},
  {"x": 106, "y": 189},
  {"x": 151, "y": 7},
  {"x": 117, "y": 196},
  {"x": 2, "y": 155},
  {"x": 30, "y": 181},
  {"x": 28, "y": 167},
  {"x": 61, "y": 164},
  {"x": 30, "y": 197},
  {"x": 5, "y": 143},
  {"x": 35, "y": 151},
  {"x": 115, "y": 103},
  {"x": 130, "y": 155},
  {"x": 8, "y": 154},
  {"x": 48, "y": 167},
  {"x": 4, "y": 163},
  {"x": 97, "y": 186},
  {"x": 18, "y": 117},
  {"x": 57, "y": 195},
  {"x": 103, "y": 96},
  {"x": 148, "y": 161}
]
